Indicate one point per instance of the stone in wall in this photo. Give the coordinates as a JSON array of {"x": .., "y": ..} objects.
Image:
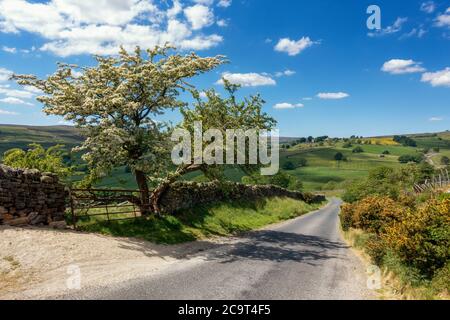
[
  {"x": 28, "y": 197},
  {"x": 186, "y": 195}
]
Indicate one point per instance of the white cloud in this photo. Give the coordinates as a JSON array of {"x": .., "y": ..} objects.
[
  {"x": 176, "y": 9},
  {"x": 15, "y": 93},
  {"x": 400, "y": 66},
  {"x": 394, "y": 28},
  {"x": 286, "y": 73},
  {"x": 9, "y": 49},
  {"x": 204, "y": 2},
  {"x": 11, "y": 100},
  {"x": 72, "y": 27},
  {"x": 285, "y": 105},
  {"x": 224, "y": 3},
  {"x": 443, "y": 20},
  {"x": 434, "y": 119},
  {"x": 222, "y": 23},
  {"x": 307, "y": 99},
  {"x": 5, "y": 74},
  {"x": 438, "y": 78},
  {"x": 292, "y": 47},
  {"x": 199, "y": 16},
  {"x": 200, "y": 42},
  {"x": 32, "y": 89},
  {"x": 8, "y": 113},
  {"x": 415, "y": 32},
  {"x": 332, "y": 95},
  {"x": 428, "y": 7},
  {"x": 248, "y": 79}
]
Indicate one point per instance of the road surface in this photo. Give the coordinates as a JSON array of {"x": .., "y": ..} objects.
[{"x": 300, "y": 259}]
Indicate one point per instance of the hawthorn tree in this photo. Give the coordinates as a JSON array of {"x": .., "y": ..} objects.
[
  {"x": 115, "y": 103},
  {"x": 220, "y": 114}
]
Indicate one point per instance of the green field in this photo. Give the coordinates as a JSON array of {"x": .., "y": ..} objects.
[
  {"x": 12, "y": 136},
  {"x": 321, "y": 173},
  {"x": 322, "y": 168}
]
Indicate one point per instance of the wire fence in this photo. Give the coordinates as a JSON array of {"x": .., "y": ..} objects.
[{"x": 437, "y": 182}]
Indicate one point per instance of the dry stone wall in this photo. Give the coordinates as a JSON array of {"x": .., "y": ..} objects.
[
  {"x": 28, "y": 197},
  {"x": 186, "y": 195}
]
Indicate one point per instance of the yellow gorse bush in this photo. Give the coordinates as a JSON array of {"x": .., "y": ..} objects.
[{"x": 418, "y": 235}]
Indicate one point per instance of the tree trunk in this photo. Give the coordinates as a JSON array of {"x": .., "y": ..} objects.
[{"x": 141, "y": 180}]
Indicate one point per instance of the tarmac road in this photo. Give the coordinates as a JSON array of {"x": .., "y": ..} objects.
[{"x": 301, "y": 259}]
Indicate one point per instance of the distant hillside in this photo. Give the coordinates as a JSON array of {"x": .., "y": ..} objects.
[
  {"x": 320, "y": 173},
  {"x": 19, "y": 136}
]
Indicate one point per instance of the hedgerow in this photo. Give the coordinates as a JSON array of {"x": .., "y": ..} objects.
[{"x": 418, "y": 234}]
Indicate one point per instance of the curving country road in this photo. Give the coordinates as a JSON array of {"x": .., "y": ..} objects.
[{"x": 302, "y": 259}]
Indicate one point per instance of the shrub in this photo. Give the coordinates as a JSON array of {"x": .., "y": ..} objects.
[
  {"x": 386, "y": 152},
  {"x": 302, "y": 162},
  {"x": 36, "y": 157},
  {"x": 410, "y": 158},
  {"x": 373, "y": 214},
  {"x": 358, "y": 150},
  {"x": 376, "y": 249},
  {"x": 406, "y": 141},
  {"x": 422, "y": 238},
  {"x": 347, "y": 145},
  {"x": 330, "y": 185},
  {"x": 346, "y": 216},
  {"x": 339, "y": 156},
  {"x": 289, "y": 166},
  {"x": 441, "y": 280}
]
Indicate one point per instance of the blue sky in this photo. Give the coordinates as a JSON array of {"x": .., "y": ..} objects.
[{"x": 317, "y": 65}]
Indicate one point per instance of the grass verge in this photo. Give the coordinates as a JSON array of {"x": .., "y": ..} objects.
[
  {"x": 399, "y": 282},
  {"x": 213, "y": 220}
]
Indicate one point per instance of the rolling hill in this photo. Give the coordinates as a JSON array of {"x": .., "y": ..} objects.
[{"x": 321, "y": 172}]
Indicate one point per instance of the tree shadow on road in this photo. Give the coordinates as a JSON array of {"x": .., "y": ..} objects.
[
  {"x": 265, "y": 245},
  {"x": 280, "y": 247}
]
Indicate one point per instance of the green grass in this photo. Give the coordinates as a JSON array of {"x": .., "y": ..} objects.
[
  {"x": 215, "y": 220},
  {"x": 12, "y": 136},
  {"x": 322, "y": 168}
]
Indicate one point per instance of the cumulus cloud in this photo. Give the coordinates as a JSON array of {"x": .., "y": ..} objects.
[
  {"x": 72, "y": 27},
  {"x": 438, "y": 78},
  {"x": 443, "y": 20},
  {"x": 222, "y": 23},
  {"x": 292, "y": 47},
  {"x": 400, "y": 66},
  {"x": 428, "y": 7},
  {"x": 5, "y": 74},
  {"x": 394, "y": 28},
  {"x": 434, "y": 119},
  {"x": 9, "y": 49},
  {"x": 332, "y": 95},
  {"x": 285, "y": 73},
  {"x": 286, "y": 105},
  {"x": 199, "y": 16},
  {"x": 224, "y": 3},
  {"x": 248, "y": 79},
  {"x": 15, "y": 93}
]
